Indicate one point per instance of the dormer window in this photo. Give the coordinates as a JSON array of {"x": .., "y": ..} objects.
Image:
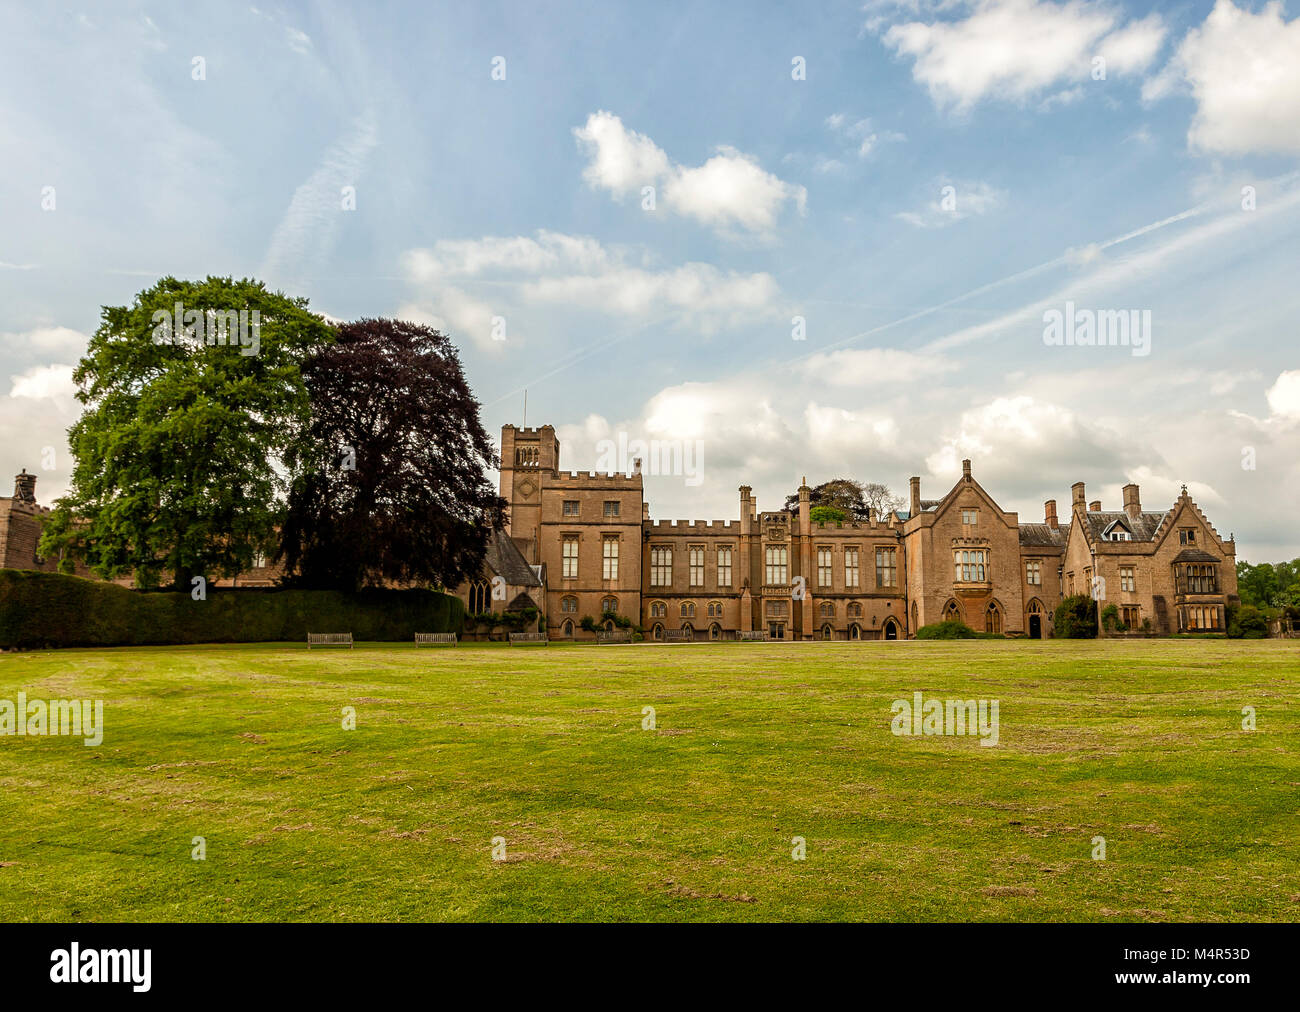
[{"x": 1117, "y": 532}]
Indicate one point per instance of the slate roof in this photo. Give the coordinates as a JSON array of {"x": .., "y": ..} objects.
[
  {"x": 1142, "y": 527},
  {"x": 1042, "y": 536},
  {"x": 506, "y": 560},
  {"x": 1195, "y": 555}
]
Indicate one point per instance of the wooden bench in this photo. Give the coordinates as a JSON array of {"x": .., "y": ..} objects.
[
  {"x": 677, "y": 636},
  {"x": 435, "y": 639},
  {"x": 614, "y": 636},
  {"x": 751, "y": 634},
  {"x": 329, "y": 640},
  {"x": 528, "y": 638}
]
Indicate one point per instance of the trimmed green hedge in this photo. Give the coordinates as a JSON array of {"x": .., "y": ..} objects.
[{"x": 53, "y": 610}]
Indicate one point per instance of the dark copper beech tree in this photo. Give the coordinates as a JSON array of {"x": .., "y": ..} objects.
[{"x": 391, "y": 483}]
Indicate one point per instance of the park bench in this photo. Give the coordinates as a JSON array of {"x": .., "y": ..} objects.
[
  {"x": 751, "y": 634},
  {"x": 614, "y": 636},
  {"x": 678, "y": 636},
  {"x": 329, "y": 640},
  {"x": 533, "y": 637},
  {"x": 435, "y": 639}
]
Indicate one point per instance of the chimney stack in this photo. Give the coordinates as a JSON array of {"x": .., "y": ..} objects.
[
  {"x": 1077, "y": 495},
  {"x": 1094, "y": 506},
  {"x": 1132, "y": 504},
  {"x": 915, "y": 504},
  {"x": 965, "y": 469},
  {"x": 25, "y": 487},
  {"x": 746, "y": 509},
  {"x": 1049, "y": 513}
]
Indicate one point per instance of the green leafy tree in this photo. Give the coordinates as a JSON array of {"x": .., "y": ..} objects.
[
  {"x": 1076, "y": 618},
  {"x": 828, "y": 515},
  {"x": 191, "y": 395},
  {"x": 856, "y": 500}
]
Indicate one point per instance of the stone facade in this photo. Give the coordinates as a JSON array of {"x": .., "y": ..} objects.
[{"x": 959, "y": 556}]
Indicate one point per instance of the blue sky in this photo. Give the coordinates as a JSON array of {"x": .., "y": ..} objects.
[{"x": 939, "y": 176}]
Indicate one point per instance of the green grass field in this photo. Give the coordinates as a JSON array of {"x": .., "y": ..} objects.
[{"x": 1140, "y": 742}]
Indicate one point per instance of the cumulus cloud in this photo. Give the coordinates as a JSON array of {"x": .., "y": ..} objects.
[
  {"x": 881, "y": 367},
  {"x": 1284, "y": 395},
  {"x": 44, "y": 382},
  {"x": 1243, "y": 70},
  {"x": 730, "y": 193},
  {"x": 1017, "y": 49}
]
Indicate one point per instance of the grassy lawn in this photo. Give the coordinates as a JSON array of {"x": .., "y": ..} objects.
[{"x": 1138, "y": 742}]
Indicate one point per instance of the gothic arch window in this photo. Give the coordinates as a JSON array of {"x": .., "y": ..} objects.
[
  {"x": 688, "y": 609},
  {"x": 609, "y": 606},
  {"x": 855, "y": 609},
  {"x": 827, "y": 609},
  {"x": 480, "y": 597},
  {"x": 951, "y": 612},
  {"x": 715, "y": 631},
  {"x": 993, "y": 618},
  {"x": 688, "y": 631},
  {"x": 658, "y": 631},
  {"x": 855, "y": 633},
  {"x": 569, "y": 604},
  {"x": 827, "y": 632},
  {"x": 658, "y": 609},
  {"x": 609, "y": 625},
  {"x": 715, "y": 609}
]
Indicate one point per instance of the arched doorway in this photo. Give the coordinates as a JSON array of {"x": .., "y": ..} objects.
[
  {"x": 658, "y": 631},
  {"x": 688, "y": 631},
  {"x": 1036, "y": 619},
  {"x": 568, "y": 629},
  {"x": 827, "y": 632},
  {"x": 993, "y": 619},
  {"x": 855, "y": 633},
  {"x": 891, "y": 629},
  {"x": 715, "y": 631}
]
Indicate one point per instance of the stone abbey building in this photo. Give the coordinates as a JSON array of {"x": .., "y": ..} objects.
[
  {"x": 596, "y": 550},
  {"x": 584, "y": 544}
]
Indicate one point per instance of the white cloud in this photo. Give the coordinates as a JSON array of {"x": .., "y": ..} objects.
[
  {"x": 559, "y": 270},
  {"x": 956, "y": 201},
  {"x": 730, "y": 193},
  {"x": 879, "y": 367},
  {"x": 1015, "y": 49},
  {"x": 1284, "y": 395},
  {"x": 49, "y": 342},
  {"x": 1243, "y": 69},
  {"x": 861, "y": 133},
  {"x": 44, "y": 382}
]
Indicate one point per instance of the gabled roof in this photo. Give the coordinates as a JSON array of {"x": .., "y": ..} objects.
[
  {"x": 505, "y": 560},
  {"x": 1042, "y": 536},
  {"x": 1142, "y": 527}
]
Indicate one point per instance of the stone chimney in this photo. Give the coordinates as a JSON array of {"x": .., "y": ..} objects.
[
  {"x": 25, "y": 487},
  {"x": 1077, "y": 495},
  {"x": 1094, "y": 506},
  {"x": 746, "y": 509},
  {"x": 915, "y": 505},
  {"x": 1049, "y": 513},
  {"x": 805, "y": 506},
  {"x": 1132, "y": 504},
  {"x": 965, "y": 470}
]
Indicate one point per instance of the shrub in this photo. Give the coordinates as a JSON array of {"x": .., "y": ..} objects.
[
  {"x": 1246, "y": 622},
  {"x": 1110, "y": 619},
  {"x": 55, "y": 610},
  {"x": 950, "y": 629},
  {"x": 1076, "y": 618}
]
